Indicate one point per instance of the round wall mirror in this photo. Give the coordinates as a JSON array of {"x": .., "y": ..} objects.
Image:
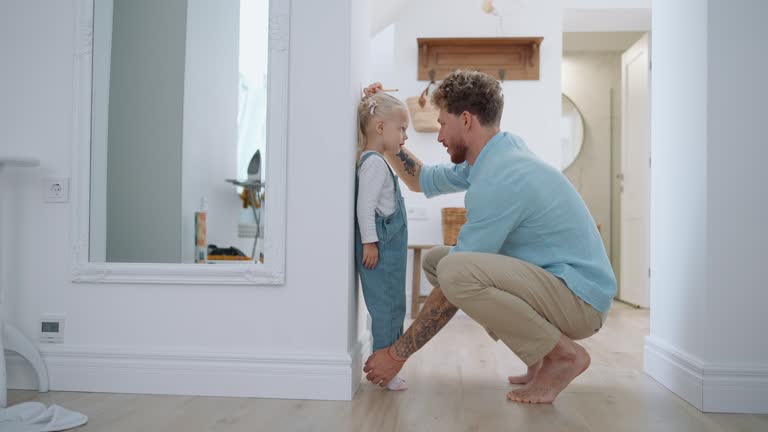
[{"x": 571, "y": 133}]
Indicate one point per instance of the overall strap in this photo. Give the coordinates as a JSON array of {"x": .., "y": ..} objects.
[{"x": 391, "y": 173}]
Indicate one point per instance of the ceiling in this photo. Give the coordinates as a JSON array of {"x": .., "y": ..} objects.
[
  {"x": 578, "y": 15},
  {"x": 607, "y": 20},
  {"x": 385, "y": 12},
  {"x": 599, "y": 41}
]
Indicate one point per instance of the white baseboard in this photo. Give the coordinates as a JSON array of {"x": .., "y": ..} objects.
[
  {"x": 678, "y": 372},
  {"x": 708, "y": 387},
  {"x": 118, "y": 370}
]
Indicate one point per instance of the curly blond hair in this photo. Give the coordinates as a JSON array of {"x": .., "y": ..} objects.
[{"x": 471, "y": 91}]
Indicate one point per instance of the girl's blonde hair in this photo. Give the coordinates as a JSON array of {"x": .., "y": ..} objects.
[{"x": 375, "y": 105}]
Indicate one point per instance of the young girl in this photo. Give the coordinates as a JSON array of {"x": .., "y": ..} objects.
[{"x": 381, "y": 231}]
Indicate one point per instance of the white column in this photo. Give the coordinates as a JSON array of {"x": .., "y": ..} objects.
[{"x": 709, "y": 240}]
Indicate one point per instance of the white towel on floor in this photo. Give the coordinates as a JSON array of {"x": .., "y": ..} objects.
[{"x": 35, "y": 417}]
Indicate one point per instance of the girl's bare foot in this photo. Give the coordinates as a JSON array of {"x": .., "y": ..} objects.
[
  {"x": 525, "y": 379},
  {"x": 564, "y": 363}
]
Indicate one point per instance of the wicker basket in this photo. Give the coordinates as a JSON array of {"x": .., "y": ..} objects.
[
  {"x": 453, "y": 219},
  {"x": 424, "y": 119},
  {"x": 423, "y": 113}
]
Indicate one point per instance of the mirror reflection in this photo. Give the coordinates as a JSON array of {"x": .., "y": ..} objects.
[
  {"x": 178, "y": 142},
  {"x": 571, "y": 133}
]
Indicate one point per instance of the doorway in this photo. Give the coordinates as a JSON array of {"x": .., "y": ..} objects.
[{"x": 607, "y": 76}]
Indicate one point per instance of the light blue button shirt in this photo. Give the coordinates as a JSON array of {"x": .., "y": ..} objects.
[{"x": 519, "y": 206}]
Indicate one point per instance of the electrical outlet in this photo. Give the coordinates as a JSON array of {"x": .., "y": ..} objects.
[
  {"x": 417, "y": 213},
  {"x": 52, "y": 329},
  {"x": 55, "y": 190}
]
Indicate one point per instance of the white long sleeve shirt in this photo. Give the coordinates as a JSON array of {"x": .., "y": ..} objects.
[{"x": 375, "y": 194}]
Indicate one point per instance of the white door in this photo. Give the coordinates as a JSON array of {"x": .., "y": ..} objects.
[{"x": 635, "y": 175}]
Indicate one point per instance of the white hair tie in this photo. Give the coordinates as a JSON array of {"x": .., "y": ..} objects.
[{"x": 373, "y": 105}]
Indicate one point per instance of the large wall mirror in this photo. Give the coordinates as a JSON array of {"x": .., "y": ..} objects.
[
  {"x": 571, "y": 133},
  {"x": 181, "y": 126}
]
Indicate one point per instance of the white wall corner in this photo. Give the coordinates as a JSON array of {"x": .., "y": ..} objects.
[
  {"x": 710, "y": 388},
  {"x": 359, "y": 355},
  {"x": 196, "y": 373}
]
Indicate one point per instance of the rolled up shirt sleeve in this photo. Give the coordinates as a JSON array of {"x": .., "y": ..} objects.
[{"x": 443, "y": 179}]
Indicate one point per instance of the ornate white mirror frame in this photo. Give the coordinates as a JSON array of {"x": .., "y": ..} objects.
[{"x": 272, "y": 272}]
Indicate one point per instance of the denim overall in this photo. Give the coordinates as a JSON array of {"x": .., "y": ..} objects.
[{"x": 384, "y": 285}]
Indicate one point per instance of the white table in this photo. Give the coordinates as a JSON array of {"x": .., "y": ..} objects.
[{"x": 11, "y": 338}]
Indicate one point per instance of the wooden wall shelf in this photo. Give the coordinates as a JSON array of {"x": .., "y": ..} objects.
[{"x": 505, "y": 58}]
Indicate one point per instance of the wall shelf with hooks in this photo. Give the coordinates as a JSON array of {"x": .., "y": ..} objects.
[{"x": 513, "y": 58}]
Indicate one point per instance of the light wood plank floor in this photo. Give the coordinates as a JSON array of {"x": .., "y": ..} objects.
[{"x": 458, "y": 383}]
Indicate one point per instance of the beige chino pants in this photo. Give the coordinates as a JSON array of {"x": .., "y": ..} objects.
[{"x": 525, "y": 306}]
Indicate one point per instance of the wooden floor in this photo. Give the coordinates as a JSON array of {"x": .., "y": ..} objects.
[{"x": 458, "y": 383}]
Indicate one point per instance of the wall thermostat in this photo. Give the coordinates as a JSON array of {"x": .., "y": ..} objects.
[{"x": 52, "y": 329}]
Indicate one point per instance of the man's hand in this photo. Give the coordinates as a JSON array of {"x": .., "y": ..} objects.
[
  {"x": 370, "y": 255},
  {"x": 373, "y": 89},
  {"x": 382, "y": 366}
]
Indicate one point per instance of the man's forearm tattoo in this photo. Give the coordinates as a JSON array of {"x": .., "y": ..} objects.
[
  {"x": 409, "y": 165},
  {"x": 434, "y": 316}
]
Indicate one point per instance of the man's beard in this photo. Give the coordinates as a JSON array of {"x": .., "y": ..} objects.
[{"x": 459, "y": 153}]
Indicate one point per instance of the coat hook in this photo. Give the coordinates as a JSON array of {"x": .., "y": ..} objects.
[
  {"x": 502, "y": 73},
  {"x": 532, "y": 55},
  {"x": 432, "y": 75}
]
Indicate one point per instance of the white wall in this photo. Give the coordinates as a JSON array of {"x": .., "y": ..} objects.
[
  {"x": 359, "y": 328},
  {"x": 679, "y": 146},
  {"x": 532, "y": 108},
  {"x": 277, "y": 341},
  {"x": 383, "y": 13},
  {"x": 708, "y": 234},
  {"x": 737, "y": 178},
  {"x": 588, "y": 79},
  {"x": 35, "y": 120},
  {"x": 144, "y": 158},
  {"x": 599, "y": 41}
]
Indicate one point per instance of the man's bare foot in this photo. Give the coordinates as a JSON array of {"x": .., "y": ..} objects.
[
  {"x": 566, "y": 361},
  {"x": 525, "y": 379}
]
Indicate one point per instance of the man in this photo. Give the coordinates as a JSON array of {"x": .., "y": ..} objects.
[{"x": 529, "y": 264}]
